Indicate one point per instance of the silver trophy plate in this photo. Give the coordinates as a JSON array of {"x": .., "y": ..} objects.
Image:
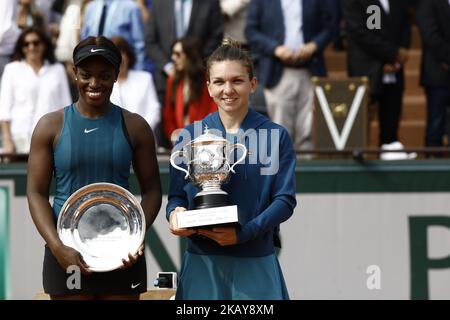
[{"x": 104, "y": 222}]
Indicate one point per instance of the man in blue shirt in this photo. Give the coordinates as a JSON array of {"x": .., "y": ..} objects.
[
  {"x": 288, "y": 37},
  {"x": 117, "y": 18}
]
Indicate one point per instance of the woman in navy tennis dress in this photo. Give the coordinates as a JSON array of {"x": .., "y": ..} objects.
[{"x": 237, "y": 262}]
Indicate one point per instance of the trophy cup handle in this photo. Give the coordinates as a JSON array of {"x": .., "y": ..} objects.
[
  {"x": 244, "y": 154},
  {"x": 176, "y": 153}
]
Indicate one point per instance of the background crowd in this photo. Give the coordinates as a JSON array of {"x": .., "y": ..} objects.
[{"x": 164, "y": 45}]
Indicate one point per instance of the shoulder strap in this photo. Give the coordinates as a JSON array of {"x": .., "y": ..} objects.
[{"x": 124, "y": 128}]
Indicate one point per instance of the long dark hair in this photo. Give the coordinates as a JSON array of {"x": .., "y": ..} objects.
[
  {"x": 194, "y": 69},
  {"x": 49, "y": 49}
]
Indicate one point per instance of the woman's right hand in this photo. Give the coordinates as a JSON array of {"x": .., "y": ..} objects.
[
  {"x": 68, "y": 256},
  {"x": 173, "y": 224}
]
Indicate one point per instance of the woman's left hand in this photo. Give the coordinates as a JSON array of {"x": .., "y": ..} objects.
[
  {"x": 223, "y": 236},
  {"x": 132, "y": 259}
]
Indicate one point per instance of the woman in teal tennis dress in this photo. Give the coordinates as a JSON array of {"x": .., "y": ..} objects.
[
  {"x": 91, "y": 140},
  {"x": 237, "y": 262}
]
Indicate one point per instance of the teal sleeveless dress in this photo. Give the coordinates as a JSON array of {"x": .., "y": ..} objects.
[
  {"x": 90, "y": 151},
  {"x": 231, "y": 278}
]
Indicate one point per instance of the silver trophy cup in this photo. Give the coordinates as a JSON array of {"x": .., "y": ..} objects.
[{"x": 208, "y": 167}]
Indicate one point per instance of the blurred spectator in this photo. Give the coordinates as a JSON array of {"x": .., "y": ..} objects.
[
  {"x": 187, "y": 98},
  {"x": 380, "y": 54},
  {"x": 433, "y": 17},
  {"x": 48, "y": 10},
  {"x": 28, "y": 15},
  {"x": 289, "y": 37},
  {"x": 32, "y": 86},
  {"x": 134, "y": 89},
  {"x": 145, "y": 6},
  {"x": 116, "y": 18},
  {"x": 172, "y": 19},
  {"x": 69, "y": 36},
  {"x": 235, "y": 14},
  {"x": 338, "y": 41},
  {"x": 51, "y": 16},
  {"x": 9, "y": 32},
  {"x": 69, "y": 30},
  {"x": 413, "y": 3}
]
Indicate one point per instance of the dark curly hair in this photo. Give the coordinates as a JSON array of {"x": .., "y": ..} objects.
[{"x": 194, "y": 69}]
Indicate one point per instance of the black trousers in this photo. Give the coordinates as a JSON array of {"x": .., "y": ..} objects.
[
  {"x": 438, "y": 106},
  {"x": 390, "y": 101}
]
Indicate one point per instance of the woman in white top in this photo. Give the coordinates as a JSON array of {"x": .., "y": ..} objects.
[
  {"x": 32, "y": 85},
  {"x": 134, "y": 89}
]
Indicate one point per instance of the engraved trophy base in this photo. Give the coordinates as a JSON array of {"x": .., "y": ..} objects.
[
  {"x": 208, "y": 218},
  {"x": 212, "y": 209}
]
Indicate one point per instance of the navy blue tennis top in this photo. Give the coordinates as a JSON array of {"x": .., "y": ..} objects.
[{"x": 89, "y": 151}]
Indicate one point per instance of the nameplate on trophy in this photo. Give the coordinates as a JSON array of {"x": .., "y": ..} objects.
[{"x": 207, "y": 217}]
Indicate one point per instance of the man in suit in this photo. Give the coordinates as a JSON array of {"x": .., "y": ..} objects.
[
  {"x": 288, "y": 37},
  {"x": 172, "y": 19},
  {"x": 433, "y": 17},
  {"x": 380, "y": 53},
  {"x": 235, "y": 15}
]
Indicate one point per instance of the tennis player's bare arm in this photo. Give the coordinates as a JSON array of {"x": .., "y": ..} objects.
[{"x": 39, "y": 177}]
